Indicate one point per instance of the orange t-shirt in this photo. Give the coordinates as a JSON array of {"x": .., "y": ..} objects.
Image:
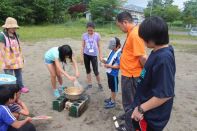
[{"x": 134, "y": 48}]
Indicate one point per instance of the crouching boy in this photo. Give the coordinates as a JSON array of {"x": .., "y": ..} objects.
[
  {"x": 7, "y": 121},
  {"x": 18, "y": 107}
]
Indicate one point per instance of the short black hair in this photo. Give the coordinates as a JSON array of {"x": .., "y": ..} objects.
[
  {"x": 90, "y": 24},
  {"x": 117, "y": 42},
  {"x": 155, "y": 29},
  {"x": 15, "y": 88},
  {"x": 65, "y": 51},
  {"x": 5, "y": 93},
  {"x": 124, "y": 16}
]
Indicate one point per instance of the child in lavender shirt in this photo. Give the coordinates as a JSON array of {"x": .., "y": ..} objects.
[{"x": 89, "y": 52}]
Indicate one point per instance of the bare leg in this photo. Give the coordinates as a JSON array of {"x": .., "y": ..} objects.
[
  {"x": 89, "y": 79},
  {"x": 51, "y": 68},
  {"x": 113, "y": 96},
  {"x": 59, "y": 77},
  {"x": 98, "y": 79}
]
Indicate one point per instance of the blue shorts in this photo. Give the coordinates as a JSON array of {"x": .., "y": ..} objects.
[
  {"x": 48, "y": 61},
  {"x": 112, "y": 82}
]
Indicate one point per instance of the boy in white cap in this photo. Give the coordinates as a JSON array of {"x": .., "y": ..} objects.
[{"x": 112, "y": 64}]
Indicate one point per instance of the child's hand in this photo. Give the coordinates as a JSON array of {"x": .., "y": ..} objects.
[
  {"x": 72, "y": 78},
  {"x": 19, "y": 102},
  {"x": 28, "y": 119},
  {"x": 136, "y": 115},
  {"x": 107, "y": 66},
  {"x": 103, "y": 61},
  {"x": 77, "y": 74}
]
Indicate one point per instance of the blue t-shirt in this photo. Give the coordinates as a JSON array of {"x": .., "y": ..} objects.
[
  {"x": 157, "y": 79},
  {"x": 116, "y": 61},
  {"x": 6, "y": 118},
  {"x": 52, "y": 54}
]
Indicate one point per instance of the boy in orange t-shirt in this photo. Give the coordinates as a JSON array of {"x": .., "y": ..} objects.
[{"x": 132, "y": 61}]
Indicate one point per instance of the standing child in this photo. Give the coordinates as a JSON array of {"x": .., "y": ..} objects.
[
  {"x": 11, "y": 53},
  {"x": 7, "y": 121},
  {"x": 112, "y": 65},
  {"x": 18, "y": 107},
  {"x": 90, "y": 52},
  {"x": 53, "y": 57},
  {"x": 155, "y": 91}
]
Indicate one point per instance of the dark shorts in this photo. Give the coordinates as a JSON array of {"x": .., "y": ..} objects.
[
  {"x": 26, "y": 127},
  {"x": 112, "y": 82},
  {"x": 91, "y": 59}
]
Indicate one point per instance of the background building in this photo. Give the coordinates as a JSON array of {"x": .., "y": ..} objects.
[{"x": 136, "y": 12}]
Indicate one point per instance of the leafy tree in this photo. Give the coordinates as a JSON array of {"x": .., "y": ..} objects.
[
  {"x": 168, "y": 2},
  {"x": 5, "y": 10},
  {"x": 42, "y": 11},
  {"x": 154, "y": 3},
  {"x": 69, "y": 3},
  {"x": 171, "y": 13},
  {"x": 103, "y": 10},
  {"x": 164, "y": 9},
  {"x": 190, "y": 12}
]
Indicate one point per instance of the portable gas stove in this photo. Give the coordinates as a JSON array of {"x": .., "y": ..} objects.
[{"x": 77, "y": 107}]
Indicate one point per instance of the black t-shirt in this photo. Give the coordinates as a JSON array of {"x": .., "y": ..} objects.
[{"x": 157, "y": 79}]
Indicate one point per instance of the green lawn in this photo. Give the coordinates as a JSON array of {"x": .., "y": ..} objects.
[
  {"x": 189, "y": 48},
  {"x": 71, "y": 30},
  {"x": 183, "y": 37}
]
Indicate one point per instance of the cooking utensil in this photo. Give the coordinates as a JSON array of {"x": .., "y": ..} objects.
[
  {"x": 76, "y": 83},
  {"x": 73, "y": 93},
  {"x": 7, "y": 79},
  {"x": 42, "y": 117}
]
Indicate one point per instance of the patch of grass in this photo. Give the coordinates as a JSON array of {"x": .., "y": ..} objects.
[
  {"x": 37, "y": 33},
  {"x": 183, "y": 37},
  {"x": 70, "y": 29},
  {"x": 189, "y": 48},
  {"x": 178, "y": 29}
]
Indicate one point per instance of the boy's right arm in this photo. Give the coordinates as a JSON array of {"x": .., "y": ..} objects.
[{"x": 18, "y": 124}]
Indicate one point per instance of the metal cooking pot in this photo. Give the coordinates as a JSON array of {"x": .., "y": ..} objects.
[{"x": 73, "y": 93}]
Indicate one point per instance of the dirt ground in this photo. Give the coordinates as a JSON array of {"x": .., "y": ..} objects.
[{"x": 96, "y": 118}]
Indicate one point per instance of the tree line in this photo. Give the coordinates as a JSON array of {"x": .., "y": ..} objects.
[
  {"x": 59, "y": 11},
  {"x": 56, "y": 11},
  {"x": 171, "y": 13}
]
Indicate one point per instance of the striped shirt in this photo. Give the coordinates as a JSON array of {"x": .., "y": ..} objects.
[{"x": 14, "y": 108}]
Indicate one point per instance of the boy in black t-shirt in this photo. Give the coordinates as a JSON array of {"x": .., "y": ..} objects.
[{"x": 155, "y": 91}]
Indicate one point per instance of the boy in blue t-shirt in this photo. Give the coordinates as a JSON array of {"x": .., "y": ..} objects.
[
  {"x": 112, "y": 68},
  {"x": 155, "y": 91},
  {"x": 7, "y": 121}
]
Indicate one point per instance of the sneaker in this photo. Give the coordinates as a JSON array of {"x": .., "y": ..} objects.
[
  {"x": 122, "y": 127},
  {"x": 100, "y": 87},
  {"x": 24, "y": 90},
  {"x": 88, "y": 86},
  {"x": 122, "y": 117},
  {"x": 56, "y": 93},
  {"x": 110, "y": 105},
  {"x": 61, "y": 89},
  {"x": 107, "y": 100}
]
